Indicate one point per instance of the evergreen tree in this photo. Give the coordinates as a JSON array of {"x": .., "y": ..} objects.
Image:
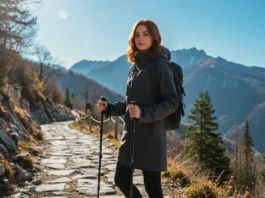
[
  {"x": 248, "y": 153},
  {"x": 73, "y": 100},
  {"x": 204, "y": 141},
  {"x": 240, "y": 157},
  {"x": 237, "y": 165},
  {"x": 67, "y": 99}
]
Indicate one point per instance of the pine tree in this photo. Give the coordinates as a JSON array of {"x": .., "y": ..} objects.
[
  {"x": 204, "y": 141},
  {"x": 237, "y": 165},
  {"x": 236, "y": 152},
  {"x": 197, "y": 136},
  {"x": 73, "y": 100},
  {"x": 248, "y": 153},
  {"x": 240, "y": 161},
  {"x": 239, "y": 170},
  {"x": 67, "y": 99}
]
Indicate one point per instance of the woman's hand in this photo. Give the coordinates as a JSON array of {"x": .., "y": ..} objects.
[
  {"x": 134, "y": 111},
  {"x": 102, "y": 105}
]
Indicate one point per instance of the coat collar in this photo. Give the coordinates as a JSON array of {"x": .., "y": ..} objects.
[{"x": 142, "y": 58}]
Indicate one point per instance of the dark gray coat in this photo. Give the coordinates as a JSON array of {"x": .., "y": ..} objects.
[{"x": 150, "y": 148}]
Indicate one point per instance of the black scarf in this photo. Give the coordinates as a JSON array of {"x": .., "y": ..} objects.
[{"x": 142, "y": 58}]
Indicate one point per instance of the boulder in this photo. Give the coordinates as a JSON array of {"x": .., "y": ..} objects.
[
  {"x": 7, "y": 141},
  {"x": 4, "y": 151}
]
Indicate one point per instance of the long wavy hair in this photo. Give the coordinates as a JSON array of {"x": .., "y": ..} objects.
[{"x": 153, "y": 30}]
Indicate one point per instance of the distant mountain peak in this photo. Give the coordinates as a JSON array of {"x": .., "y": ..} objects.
[
  {"x": 85, "y": 66},
  {"x": 187, "y": 57},
  {"x": 84, "y": 61},
  {"x": 220, "y": 59},
  {"x": 192, "y": 50},
  {"x": 55, "y": 66},
  {"x": 121, "y": 58}
]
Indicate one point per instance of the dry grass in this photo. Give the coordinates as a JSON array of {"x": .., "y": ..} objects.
[
  {"x": 24, "y": 146},
  {"x": 26, "y": 162},
  {"x": 193, "y": 180},
  {"x": 196, "y": 183},
  {"x": 36, "y": 132},
  {"x": 81, "y": 126},
  {"x": 211, "y": 189},
  {"x": 85, "y": 128},
  {"x": 177, "y": 174},
  {"x": 115, "y": 142},
  {"x": 21, "y": 112},
  {"x": 23, "y": 116}
]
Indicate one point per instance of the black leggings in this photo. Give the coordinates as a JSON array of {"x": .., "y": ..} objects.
[{"x": 152, "y": 182}]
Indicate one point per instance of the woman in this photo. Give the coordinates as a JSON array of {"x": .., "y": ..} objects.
[{"x": 154, "y": 103}]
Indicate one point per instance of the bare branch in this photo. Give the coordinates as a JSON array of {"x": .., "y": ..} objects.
[{"x": 44, "y": 64}]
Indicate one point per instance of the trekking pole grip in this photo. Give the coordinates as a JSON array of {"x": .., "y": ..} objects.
[
  {"x": 134, "y": 103},
  {"x": 103, "y": 98}
]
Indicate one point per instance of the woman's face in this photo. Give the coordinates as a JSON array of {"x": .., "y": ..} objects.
[{"x": 142, "y": 38}]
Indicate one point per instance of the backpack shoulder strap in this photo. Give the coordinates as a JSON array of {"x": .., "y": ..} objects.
[{"x": 153, "y": 70}]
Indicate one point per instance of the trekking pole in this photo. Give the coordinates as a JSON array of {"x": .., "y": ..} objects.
[
  {"x": 100, "y": 145},
  {"x": 132, "y": 151}
]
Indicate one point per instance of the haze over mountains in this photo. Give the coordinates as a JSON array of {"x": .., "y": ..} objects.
[
  {"x": 86, "y": 66},
  {"x": 237, "y": 91}
]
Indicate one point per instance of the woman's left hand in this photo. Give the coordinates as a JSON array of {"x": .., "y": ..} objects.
[{"x": 134, "y": 111}]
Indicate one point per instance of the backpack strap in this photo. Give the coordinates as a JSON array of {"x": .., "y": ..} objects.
[
  {"x": 179, "y": 78},
  {"x": 153, "y": 70}
]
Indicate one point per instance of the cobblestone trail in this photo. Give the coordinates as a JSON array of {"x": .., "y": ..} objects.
[{"x": 70, "y": 166}]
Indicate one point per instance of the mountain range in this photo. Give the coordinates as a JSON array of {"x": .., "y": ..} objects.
[
  {"x": 237, "y": 91},
  {"x": 86, "y": 66}
]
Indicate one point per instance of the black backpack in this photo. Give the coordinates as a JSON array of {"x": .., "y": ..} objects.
[{"x": 173, "y": 120}]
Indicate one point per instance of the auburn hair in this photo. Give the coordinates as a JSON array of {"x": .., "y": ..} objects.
[{"x": 153, "y": 30}]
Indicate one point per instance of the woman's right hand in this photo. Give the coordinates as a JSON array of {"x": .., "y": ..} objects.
[{"x": 102, "y": 105}]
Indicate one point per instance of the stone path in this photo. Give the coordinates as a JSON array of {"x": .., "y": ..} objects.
[{"x": 70, "y": 166}]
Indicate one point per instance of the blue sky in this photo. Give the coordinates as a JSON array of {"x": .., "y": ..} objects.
[{"x": 74, "y": 30}]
